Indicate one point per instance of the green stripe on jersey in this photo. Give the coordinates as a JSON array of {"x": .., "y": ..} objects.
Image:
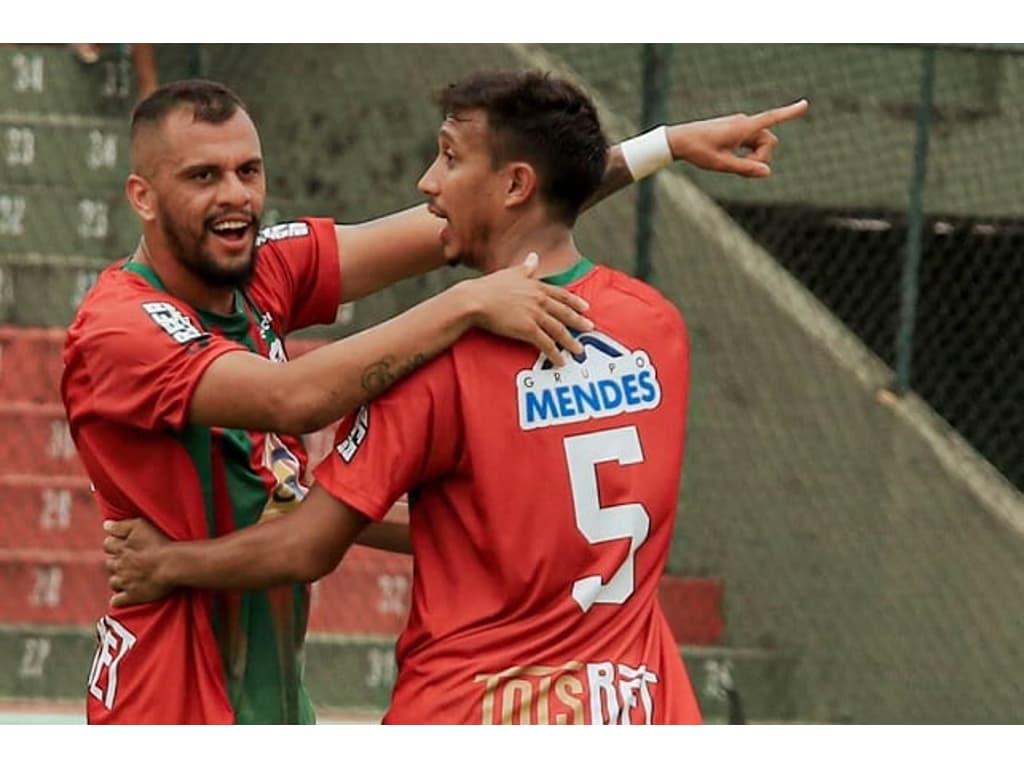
[{"x": 260, "y": 634}]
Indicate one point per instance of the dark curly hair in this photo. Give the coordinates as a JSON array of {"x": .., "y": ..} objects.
[{"x": 541, "y": 119}]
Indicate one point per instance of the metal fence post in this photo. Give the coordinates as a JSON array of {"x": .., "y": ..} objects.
[
  {"x": 915, "y": 222},
  {"x": 655, "y": 65}
]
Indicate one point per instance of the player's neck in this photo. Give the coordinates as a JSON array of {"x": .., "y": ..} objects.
[
  {"x": 178, "y": 281},
  {"x": 553, "y": 244}
]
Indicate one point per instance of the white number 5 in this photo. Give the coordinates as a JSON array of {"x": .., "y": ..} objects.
[{"x": 597, "y": 523}]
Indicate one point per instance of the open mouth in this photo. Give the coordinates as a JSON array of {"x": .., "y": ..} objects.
[
  {"x": 443, "y": 235},
  {"x": 232, "y": 230}
]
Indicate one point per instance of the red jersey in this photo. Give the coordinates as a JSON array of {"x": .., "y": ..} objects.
[
  {"x": 542, "y": 506},
  {"x": 133, "y": 357}
]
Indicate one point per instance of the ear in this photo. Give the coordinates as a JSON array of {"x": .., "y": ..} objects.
[
  {"x": 521, "y": 185},
  {"x": 141, "y": 197}
]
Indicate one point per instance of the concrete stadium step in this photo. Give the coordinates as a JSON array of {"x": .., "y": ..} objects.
[
  {"x": 49, "y": 512},
  {"x": 38, "y": 219},
  {"x": 356, "y": 672},
  {"x": 31, "y": 357},
  {"x": 49, "y": 79},
  {"x": 30, "y": 364},
  {"x": 752, "y": 685},
  {"x": 44, "y": 292},
  {"x": 37, "y": 440},
  {"x": 368, "y": 594},
  {"x": 693, "y": 607},
  {"x": 64, "y": 152},
  {"x": 53, "y": 586}
]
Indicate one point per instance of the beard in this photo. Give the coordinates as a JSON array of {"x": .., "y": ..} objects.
[{"x": 192, "y": 253}]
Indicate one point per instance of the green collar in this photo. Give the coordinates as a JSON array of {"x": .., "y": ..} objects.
[
  {"x": 146, "y": 273},
  {"x": 233, "y": 325},
  {"x": 571, "y": 275}
]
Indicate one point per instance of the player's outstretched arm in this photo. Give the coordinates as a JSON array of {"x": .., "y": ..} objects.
[
  {"x": 301, "y": 546},
  {"x": 740, "y": 144},
  {"x": 243, "y": 390},
  {"x": 383, "y": 251}
]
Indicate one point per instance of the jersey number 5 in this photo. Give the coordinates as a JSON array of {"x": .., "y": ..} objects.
[{"x": 583, "y": 453}]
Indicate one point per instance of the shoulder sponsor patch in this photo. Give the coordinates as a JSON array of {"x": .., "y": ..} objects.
[
  {"x": 282, "y": 232},
  {"x": 348, "y": 447},
  {"x": 175, "y": 323},
  {"x": 607, "y": 379}
]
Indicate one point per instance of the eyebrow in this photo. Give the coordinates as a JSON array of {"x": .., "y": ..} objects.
[{"x": 195, "y": 167}]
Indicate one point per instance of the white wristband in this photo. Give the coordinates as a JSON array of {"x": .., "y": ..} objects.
[{"x": 647, "y": 153}]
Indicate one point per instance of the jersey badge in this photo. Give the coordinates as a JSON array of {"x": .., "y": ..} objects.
[
  {"x": 360, "y": 429},
  {"x": 176, "y": 324}
]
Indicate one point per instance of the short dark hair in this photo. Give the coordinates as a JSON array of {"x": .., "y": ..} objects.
[
  {"x": 544, "y": 120},
  {"x": 211, "y": 103}
]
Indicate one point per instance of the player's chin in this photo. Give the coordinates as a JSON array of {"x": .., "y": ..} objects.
[{"x": 453, "y": 255}]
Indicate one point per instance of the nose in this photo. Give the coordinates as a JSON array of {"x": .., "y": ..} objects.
[
  {"x": 234, "y": 192},
  {"x": 428, "y": 181}
]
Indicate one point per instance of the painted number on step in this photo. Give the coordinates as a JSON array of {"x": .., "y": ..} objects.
[
  {"x": 33, "y": 657},
  {"x": 55, "y": 512},
  {"x": 92, "y": 219},
  {"x": 28, "y": 73},
  {"x": 12, "y": 215},
  {"x": 20, "y": 146},
  {"x": 102, "y": 151},
  {"x": 46, "y": 586}
]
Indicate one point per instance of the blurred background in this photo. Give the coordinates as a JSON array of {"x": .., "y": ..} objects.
[{"x": 849, "y": 539}]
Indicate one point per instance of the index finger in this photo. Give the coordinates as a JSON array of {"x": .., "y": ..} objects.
[
  {"x": 771, "y": 117},
  {"x": 547, "y": 347}
]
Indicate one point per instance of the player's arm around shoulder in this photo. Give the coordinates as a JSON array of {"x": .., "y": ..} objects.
[
  {"x": 246, "y": 391},
  {"x": 302, "y": 546}
]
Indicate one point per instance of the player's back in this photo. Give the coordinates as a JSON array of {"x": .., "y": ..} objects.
[{"x": 538, "y": 559}]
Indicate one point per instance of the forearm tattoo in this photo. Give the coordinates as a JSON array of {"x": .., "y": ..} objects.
[{"x": 381, "y": 375}]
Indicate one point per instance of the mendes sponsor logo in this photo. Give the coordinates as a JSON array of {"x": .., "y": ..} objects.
[
  {"x": 174, "y": 322},
  {"x": 604, "y": 380},
  {"x": 282, "y": 232},
  {"x": 574, "y": 693}
]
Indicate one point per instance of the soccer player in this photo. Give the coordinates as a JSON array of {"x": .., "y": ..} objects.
[{"x": 542, "y": 498}]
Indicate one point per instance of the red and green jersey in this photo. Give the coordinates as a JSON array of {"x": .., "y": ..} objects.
[
  {"x": 542, "y": 506},
  {"x": 133, "y": 357}
]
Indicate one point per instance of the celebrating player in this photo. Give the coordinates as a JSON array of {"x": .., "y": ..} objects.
[{"x": 542, "y": 498}]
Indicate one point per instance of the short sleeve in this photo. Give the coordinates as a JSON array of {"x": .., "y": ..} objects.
[
  {"x": 407, "y": 437},
  {"x": 299, "y": 277},
  {"x": 138, "y": 362}
]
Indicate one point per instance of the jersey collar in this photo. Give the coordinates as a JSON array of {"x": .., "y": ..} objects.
[
  {"x": 235, "y": 323},
  {"x": 571, "y": 275}
]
